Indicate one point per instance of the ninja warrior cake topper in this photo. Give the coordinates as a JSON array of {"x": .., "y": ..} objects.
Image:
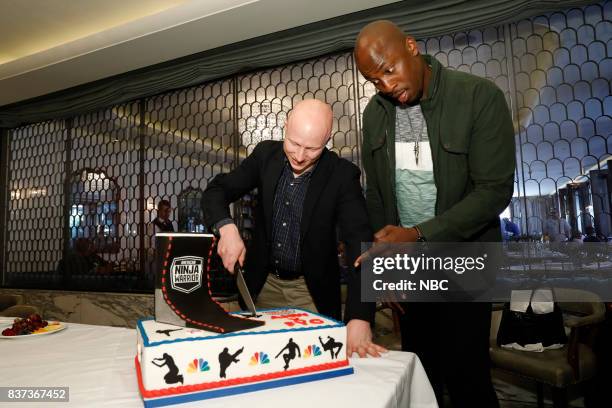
[{"x": 182, "y": 291}]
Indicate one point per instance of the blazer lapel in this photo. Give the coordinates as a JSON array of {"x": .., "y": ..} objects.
[
  {"x": 271, "y": 176},
  {"x": 321, "y": 175}
]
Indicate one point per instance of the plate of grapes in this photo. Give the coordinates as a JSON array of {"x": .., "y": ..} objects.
[{"x": 33, "y": 325}]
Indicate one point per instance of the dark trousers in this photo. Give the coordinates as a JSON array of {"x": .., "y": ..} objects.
[{"x": 452, "y": 342}]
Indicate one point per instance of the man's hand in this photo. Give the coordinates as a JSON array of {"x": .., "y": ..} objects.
[
  {"x": 389, "y": 300},
  {"x": 231, "y": 247},
  {"x": 389, "y": 234},
  {"x": 359, "y": 339},
  {"x": 393, "y": 233}
]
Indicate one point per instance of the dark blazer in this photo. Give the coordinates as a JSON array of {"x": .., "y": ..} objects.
[{"x": 334, "y": 197}]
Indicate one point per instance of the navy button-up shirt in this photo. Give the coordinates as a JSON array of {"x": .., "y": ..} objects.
[{"x": 286, "y": 219}]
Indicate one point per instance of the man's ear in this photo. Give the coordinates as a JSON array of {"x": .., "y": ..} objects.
[{"x": 411, "y": 46}]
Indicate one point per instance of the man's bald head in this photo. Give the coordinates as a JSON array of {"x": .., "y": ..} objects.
[
  {"x": 391, "y": 61},
  {"x": 375, "y": 37},
  {"x": 307, "y": 131},
  {"x": 313, "y": 119}
]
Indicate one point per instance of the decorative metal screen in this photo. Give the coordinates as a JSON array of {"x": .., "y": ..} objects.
[
  {"x": 103, "y": 200},
  {"x": 36, "y": 200},
  {"x": 266, "y": 97},
  {"x": 93, "y": 182}
]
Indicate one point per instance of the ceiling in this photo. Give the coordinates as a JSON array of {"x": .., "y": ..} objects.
[
  {"x": 50, "y": 45},
  {"x": 53, "y": 23}
]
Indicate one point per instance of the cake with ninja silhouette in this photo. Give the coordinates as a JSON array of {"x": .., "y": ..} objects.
[
  {"x": 293, "y": 346},
  {"x": 195, "y": 350}
]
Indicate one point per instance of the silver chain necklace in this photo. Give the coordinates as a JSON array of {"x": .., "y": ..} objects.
[{"x": 418, "y": 136}]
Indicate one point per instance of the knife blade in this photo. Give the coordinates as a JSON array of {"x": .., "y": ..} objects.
[{"x": 244, "y": 290}]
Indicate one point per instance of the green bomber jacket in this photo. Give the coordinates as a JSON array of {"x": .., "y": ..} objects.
[{"x": 473, "y": 150}]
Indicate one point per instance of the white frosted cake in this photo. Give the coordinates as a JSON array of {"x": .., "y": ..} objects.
[{"x": 179, "y": 364}]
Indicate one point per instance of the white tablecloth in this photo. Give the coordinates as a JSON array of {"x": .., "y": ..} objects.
[{"x": 97, "y": 363}]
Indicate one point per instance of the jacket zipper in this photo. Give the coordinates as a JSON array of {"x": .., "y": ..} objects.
[{"x": 392, "y": 176}]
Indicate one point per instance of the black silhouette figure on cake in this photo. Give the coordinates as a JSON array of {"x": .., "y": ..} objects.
[
  {"x": 167, "y": 331},
  {"x": 190, "y": 300},
  {"x": 330, "y": 345},
  {"x": 173, "y": 376},
  {"x": 291, "y": 348},
  {"x": 225, "y": 359}
]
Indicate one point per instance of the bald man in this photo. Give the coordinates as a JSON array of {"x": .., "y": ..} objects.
[
  {"x": 438, "y": 152},
  {"x": 304, "y": 192}
]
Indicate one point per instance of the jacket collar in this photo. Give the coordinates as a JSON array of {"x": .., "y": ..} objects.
[
  {"x": 434, "y": 81},
  {"x": 320, "y": 176},
  {"x": 270, "y": 180}
]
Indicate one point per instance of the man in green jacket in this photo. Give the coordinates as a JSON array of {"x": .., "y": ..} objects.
[{"x": 439, "y": 156}]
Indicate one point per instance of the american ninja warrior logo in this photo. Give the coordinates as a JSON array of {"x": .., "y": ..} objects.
[{"x": 186, "y": 273}]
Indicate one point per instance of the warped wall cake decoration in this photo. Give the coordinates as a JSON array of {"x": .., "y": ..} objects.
[{"x": 183, "y": 294}]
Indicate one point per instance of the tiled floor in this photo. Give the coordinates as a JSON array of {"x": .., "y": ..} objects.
[{"x": 515, "y": 392}]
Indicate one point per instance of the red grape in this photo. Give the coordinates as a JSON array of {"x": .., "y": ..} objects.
[{"x": 25, "y": 326}]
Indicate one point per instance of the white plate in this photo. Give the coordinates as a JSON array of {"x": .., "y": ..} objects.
[{"x": 52, "y": 327}]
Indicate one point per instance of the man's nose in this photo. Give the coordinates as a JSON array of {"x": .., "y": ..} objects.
[
  {"x": 386, "y": 86},
  {"x": 300, "y": 154}
]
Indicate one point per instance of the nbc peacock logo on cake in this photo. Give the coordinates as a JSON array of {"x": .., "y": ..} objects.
[
  {"x": 186, "y": 273},
  {"x": 198, "y": 365},
  {"x": 312, "y": 351},
  {"x": 259, "y": 358}
]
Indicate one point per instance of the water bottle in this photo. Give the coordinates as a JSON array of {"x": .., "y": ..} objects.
[{"x": 190, "y": 224}]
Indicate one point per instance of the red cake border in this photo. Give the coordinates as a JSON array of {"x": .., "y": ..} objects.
[{"x": 183, "y": 389}]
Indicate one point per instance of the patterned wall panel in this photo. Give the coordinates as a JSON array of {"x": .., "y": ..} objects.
[
  {"x": 36, "y": 197},
  {"x": 188, "y": 140},
  {"x": 266, "y": 97},
  {"x": 103, "y": 199},
  {"x": 562, "y": 67}
]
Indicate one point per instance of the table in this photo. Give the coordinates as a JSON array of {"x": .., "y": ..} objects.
[{"x": 97, "y": 363}]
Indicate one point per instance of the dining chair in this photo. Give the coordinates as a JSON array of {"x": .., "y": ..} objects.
[
  {"x": 572, "y": 364},
  {"x": 7, "y": 300},
  {"x": 22, "y": 311}
]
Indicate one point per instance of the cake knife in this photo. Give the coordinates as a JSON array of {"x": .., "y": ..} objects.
[{"x": 244, "y": 290}]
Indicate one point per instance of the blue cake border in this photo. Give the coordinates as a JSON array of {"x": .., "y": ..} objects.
[
  {"x": 241, "y": 389},
  {"x": 147, "y": 343}
]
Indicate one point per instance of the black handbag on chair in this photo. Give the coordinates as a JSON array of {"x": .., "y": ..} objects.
[{"x": 531, "y": 328}]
